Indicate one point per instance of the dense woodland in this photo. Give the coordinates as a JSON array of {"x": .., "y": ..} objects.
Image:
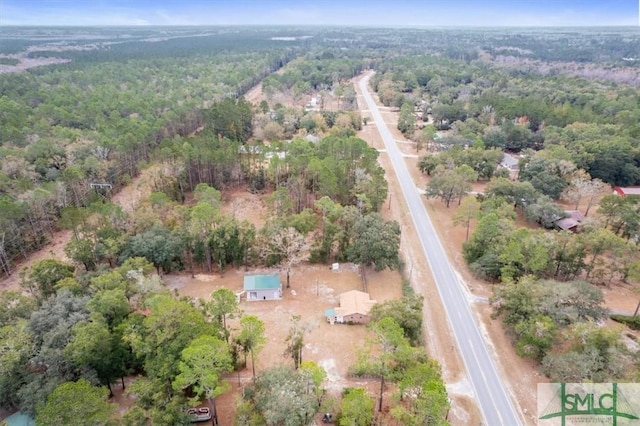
[
  {"x": 112, "y": 111},
  {"x": 575, "y": 139},
  {"x": 567, "y": 102}
]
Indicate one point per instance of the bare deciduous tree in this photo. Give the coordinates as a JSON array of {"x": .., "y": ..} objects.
[
  {"x": 295, "y": 339},
  {"x": 584, "y": 188},
  {"x": 287, "y": 244}
]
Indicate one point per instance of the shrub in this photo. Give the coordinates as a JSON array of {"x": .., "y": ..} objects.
[{"x": 633, "y": 322}]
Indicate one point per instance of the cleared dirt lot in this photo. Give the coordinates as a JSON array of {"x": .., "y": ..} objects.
[{"x": 314, "y": 288}]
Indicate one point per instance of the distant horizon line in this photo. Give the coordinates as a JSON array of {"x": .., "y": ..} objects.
[{"x": 636, "y": 26}]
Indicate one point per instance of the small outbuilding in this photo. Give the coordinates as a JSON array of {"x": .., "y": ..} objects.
[
  {"x": 623, "y": 192},
  {"x": 354, "y": 309},
  {"x": 510, "y": 162},
  {"x": 19, "y": 419},
  {"x": 263, "y": 287},
  {"x": 571, "y": 222}
]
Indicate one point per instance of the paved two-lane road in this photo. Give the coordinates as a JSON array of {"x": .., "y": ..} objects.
[{"x": 493, "y": 400}]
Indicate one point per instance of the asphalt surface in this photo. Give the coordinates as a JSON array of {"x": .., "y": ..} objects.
[{"x": 494, "y": 402}]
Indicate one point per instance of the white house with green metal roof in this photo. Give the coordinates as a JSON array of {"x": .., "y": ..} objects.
[{"x": 263, "y": 287}]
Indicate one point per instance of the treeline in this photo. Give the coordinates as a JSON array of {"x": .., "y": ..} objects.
[
  {"x": 67, "y": 127},
  {"x": 547, "y": 290},
  {"x": 578, "y": 45},
  {"x": 592, "y": 125},
  {"x": 396, "y": 355},
  {"x": 576, "y": 160},
  {"x": 546, "y": 282},
  {"x": 106, "y": 317},
  {"x": 69, "y": 345},
  {"x": 603, "y": 252},
  {"x": 323, "y": 199},
  {"x": 157, "y": 47},
  {"x": 96, "y": 122},
  {"x": 81, "y": 334},
  {"x": 585, "y": 45},
  {"x": 316, "y": 71}
]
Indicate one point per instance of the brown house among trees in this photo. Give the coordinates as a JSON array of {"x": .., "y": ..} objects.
[
  {"x": 354, "y": 309},
  {"x": 571, "y": 222}
]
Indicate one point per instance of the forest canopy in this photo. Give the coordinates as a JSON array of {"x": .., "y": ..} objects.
[{"x": 106, "y": 103}]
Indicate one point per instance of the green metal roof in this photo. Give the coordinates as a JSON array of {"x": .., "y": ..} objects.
[{"x": 261, "y": 282}]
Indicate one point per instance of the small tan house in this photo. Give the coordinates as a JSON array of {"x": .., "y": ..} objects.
[{"x": 354, "y": 309}]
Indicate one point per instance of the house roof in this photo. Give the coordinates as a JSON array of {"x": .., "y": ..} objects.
[
  {"x": 19, "y": 419},
  {"x": 575, "y": 215},
  {"x": 354, "y": 302},
  {"x": 566, "y": 223},
  {"x": 250, "y": 149},
  {"x": 573, "y": 218},
  {"x": 262, "y": 282},
  {"x": 509, "y": 161},
  {"x": 312, "y": 138},
  {"x": 627, "y": 191}
]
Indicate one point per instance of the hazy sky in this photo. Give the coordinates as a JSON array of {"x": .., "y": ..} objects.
[{"x": 321, "y": 12}]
